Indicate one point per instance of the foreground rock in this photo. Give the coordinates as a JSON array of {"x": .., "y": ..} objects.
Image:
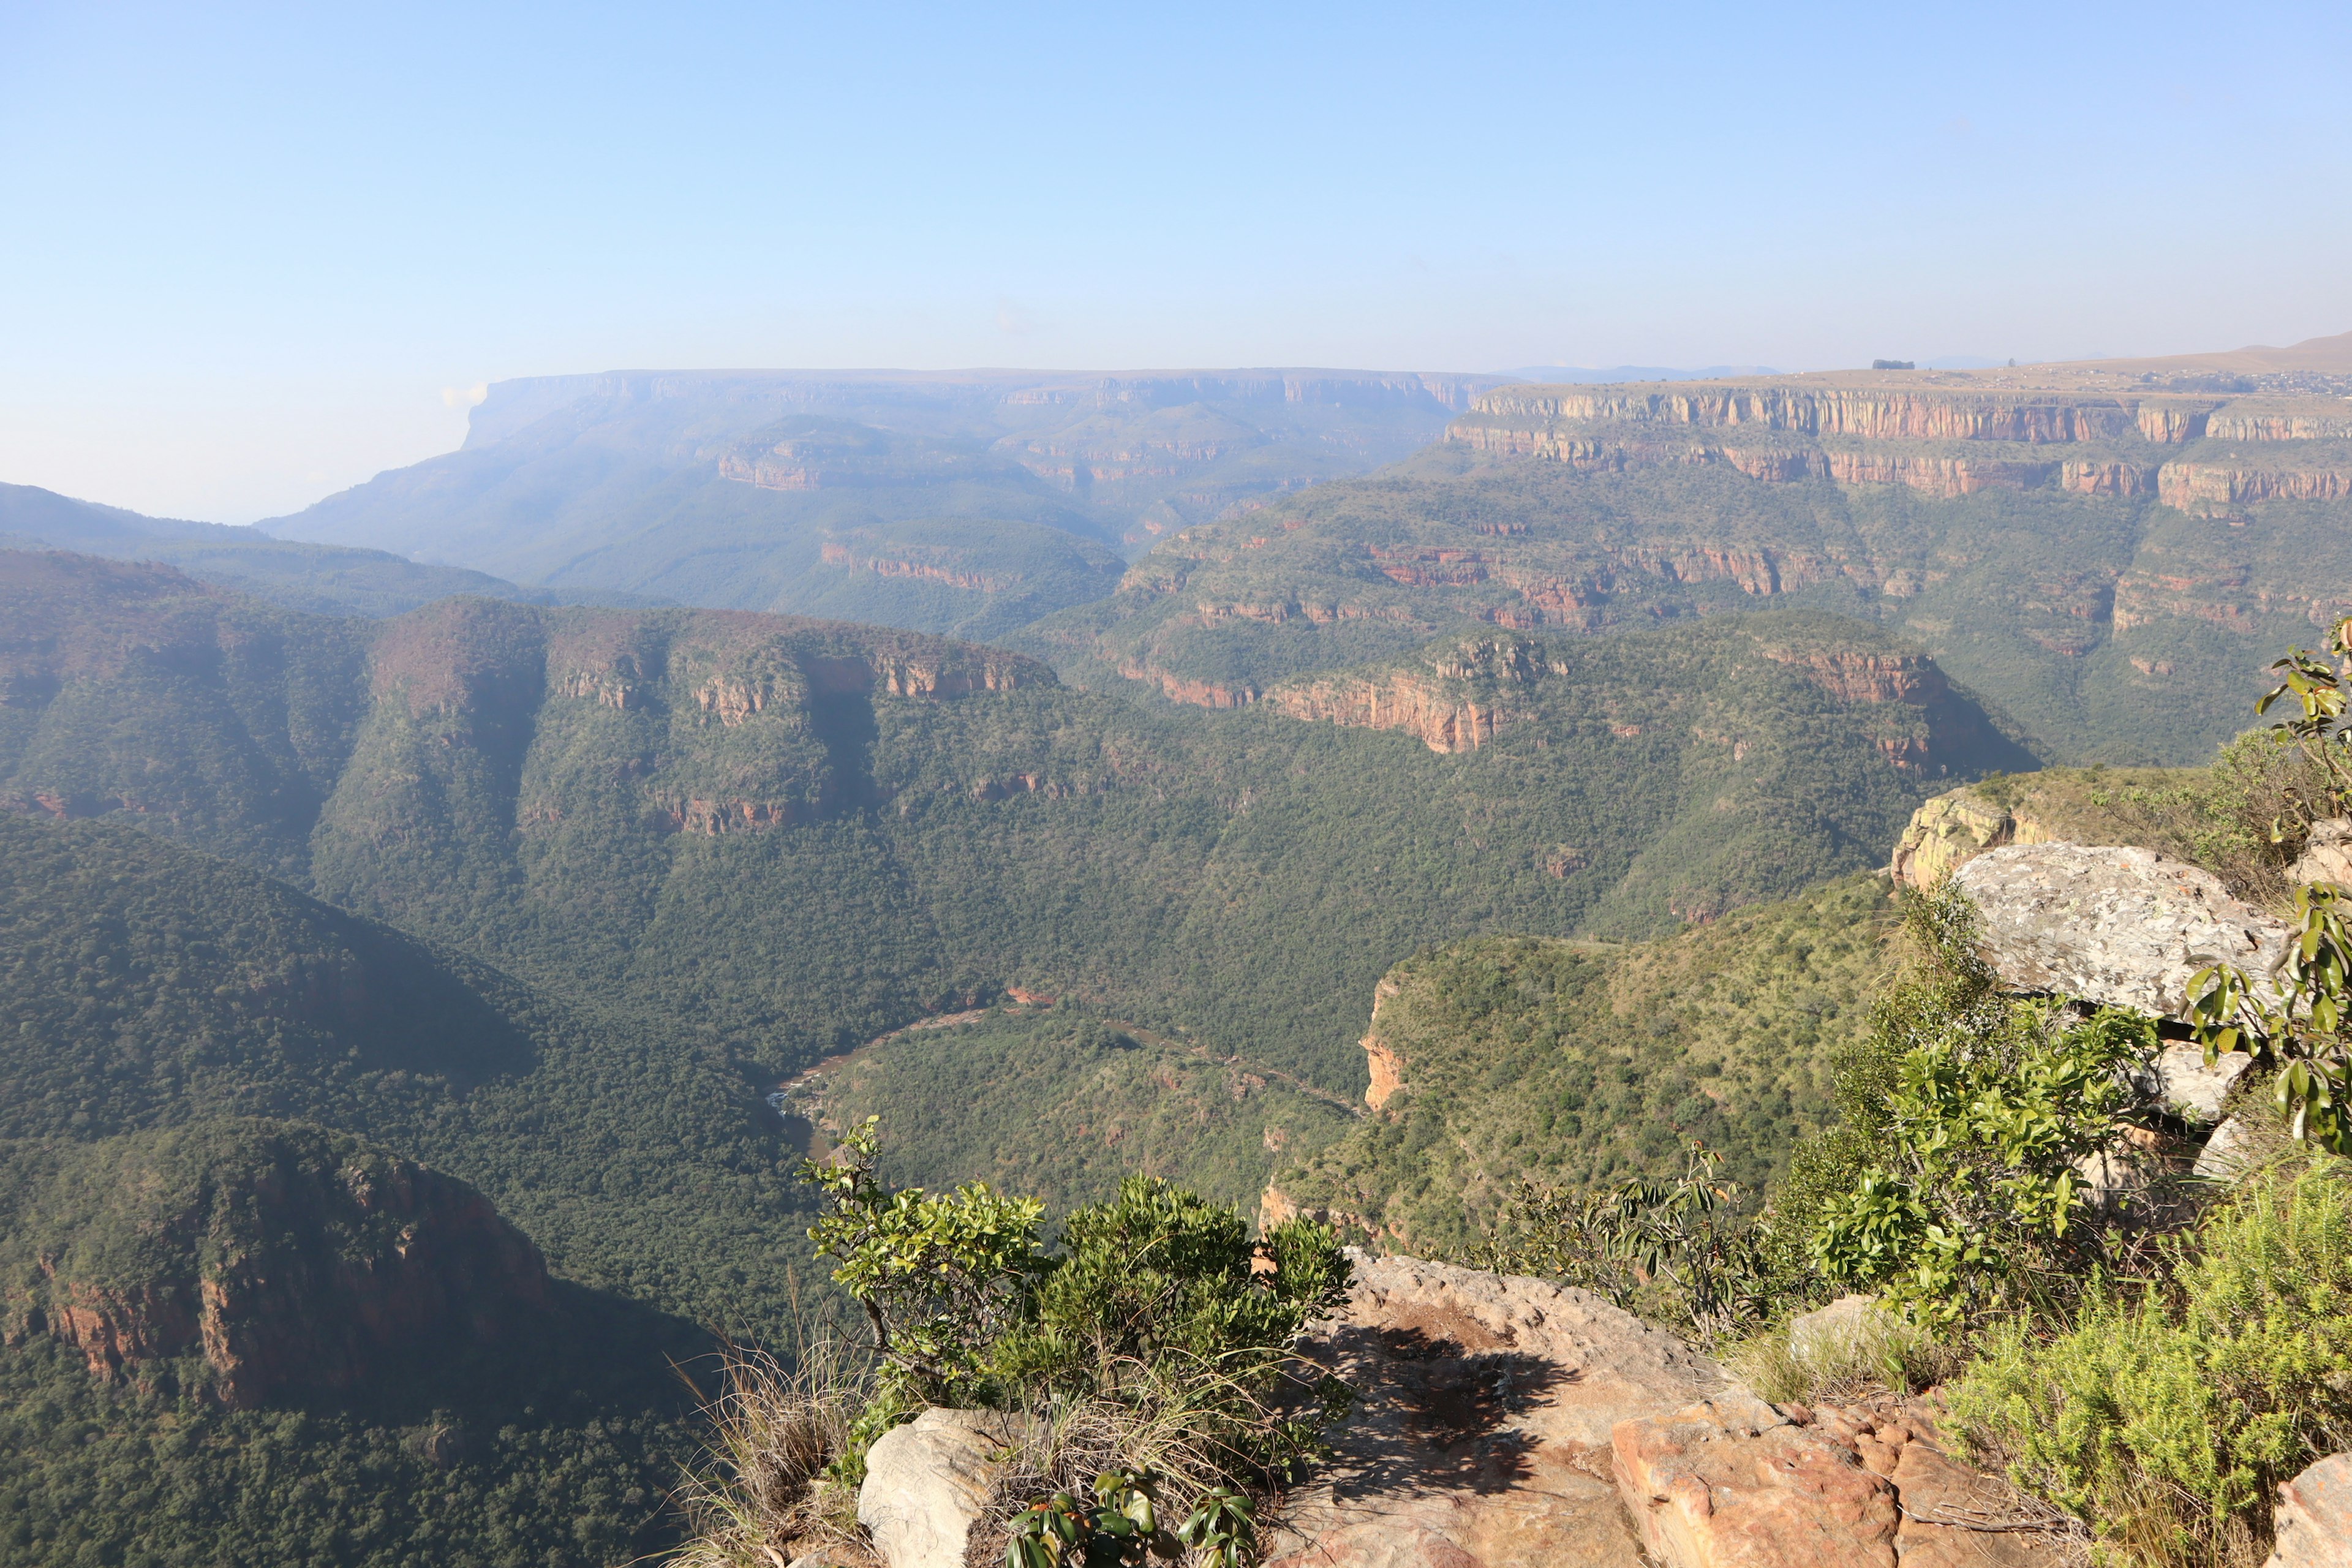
[
  {"x": 2314, "y": 1517},
  {"x": 1483, "y": 1433},
  {"x": 930, "y": 1483},
  {"x": 1724, "y": 1486},
  {"x": 2123, "y": 927}
]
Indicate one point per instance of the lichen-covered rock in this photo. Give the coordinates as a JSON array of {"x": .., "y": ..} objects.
[
  {"x": 2125, "y": 927},
  {"x": 2178, "y": 1080},
  {"x": 1950, "y": 828},
  {"x": 928, "y": 1482},
  {"x": 2313, "y": 1517},
  {"x": 1821, "y": 1336},
  {"x": 1483, "y": 1434},
  {"x": 2226, "y": 1153},
  {"x": 2327, "y": 855}
]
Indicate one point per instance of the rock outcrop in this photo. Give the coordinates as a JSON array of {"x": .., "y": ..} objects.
[
  {"x": 2125, "y": 927},
  {"x": 1866, "y": 1485},
  {"x": 930, "y": 1483},
  {"x": 1948, "y": 439},
  {"x": 1952, "y": 827},
  {"x": 2327, "y": 855},
  {"x": 2313, "y": 1517},
  {"x": 1483, "y": 1433},
  {"x": 284, "y": 1259}
]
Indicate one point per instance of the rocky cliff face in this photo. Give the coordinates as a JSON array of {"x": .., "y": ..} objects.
[
  {"x": 282, "y": 1258},
  {"x": 1946, "y": 440}
]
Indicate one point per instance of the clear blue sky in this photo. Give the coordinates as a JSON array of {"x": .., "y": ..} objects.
[{"x": 245, "y": 247}]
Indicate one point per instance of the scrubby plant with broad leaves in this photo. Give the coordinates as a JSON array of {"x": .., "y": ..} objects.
[
  {"x": 941, "y": 1275},
  {"x": 2295, "y": 1022},
  {"x": 1953, "y": 1187},
  {"x": 1159, "y": 1331}
]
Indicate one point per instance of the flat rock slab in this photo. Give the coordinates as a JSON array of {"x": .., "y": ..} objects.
[
  {"x": 2124, "y": 926},
  {"x": 1482, "y": 1438},
  {"x": 1716, "y": 1486},
  {"x": 2314, "y": 1517}
]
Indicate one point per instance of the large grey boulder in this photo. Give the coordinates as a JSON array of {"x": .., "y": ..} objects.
[
  {"x": 1483, "y": 1435},
  {"x": 2314, "y": 1517},
  {"x": 2122, "y": 926},
  {"x": 929, "y": 1482}
]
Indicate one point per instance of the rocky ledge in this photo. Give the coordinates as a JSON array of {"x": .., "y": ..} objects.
[{"x": 1510, "y": 1423}]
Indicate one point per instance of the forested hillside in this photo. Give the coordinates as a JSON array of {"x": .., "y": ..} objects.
[
  {"x": 1574, "y": 1065},
  {"x": 2111, "y": 559},
  {"x": 789, "y": 836}
]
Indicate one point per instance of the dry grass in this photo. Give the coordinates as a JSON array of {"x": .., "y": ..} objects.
[
  {"x": 1165, "y": 1420},
  {"x": 760, "y": 1499},
  {"x": 1842, "y": 1362}
]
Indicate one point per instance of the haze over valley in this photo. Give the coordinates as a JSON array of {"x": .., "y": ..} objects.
[{"x": 796, "y": 787}]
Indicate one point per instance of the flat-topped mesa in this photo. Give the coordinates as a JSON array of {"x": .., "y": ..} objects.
[
  {"x": 1925, "y": 414},
  {"x": 2198, "y": 453}
]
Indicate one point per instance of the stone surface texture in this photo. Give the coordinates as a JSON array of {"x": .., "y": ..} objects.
[
  {"x": 2226, "y": 1153},
  {"x": 1861, "y": 1486},
  {"x": 1482, "y": 1437},
  {"x": 928, "y": 1482},
  {"x": 1816, "y": 1336},
  {"x": 2180, "y": 1080},
  {"x": 2314, "y": 1517},
  {"x": 2327, "y": 855},
  {"x": 2127, "y": 927},
  {"x": 1953, "y": 828}
]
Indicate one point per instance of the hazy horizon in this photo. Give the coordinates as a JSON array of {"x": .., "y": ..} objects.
[{"x": 259, "y": 256}]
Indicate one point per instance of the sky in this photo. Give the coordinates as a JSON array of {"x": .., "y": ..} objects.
[{"x": 251, "y": 255}]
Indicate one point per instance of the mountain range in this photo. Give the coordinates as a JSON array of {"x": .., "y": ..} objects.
[{"x": 1341, "y": 793}]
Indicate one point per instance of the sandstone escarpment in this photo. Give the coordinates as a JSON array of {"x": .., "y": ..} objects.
[
  {"x": 1787, "y": 429},
  {"x": 280, "y": 1259}
]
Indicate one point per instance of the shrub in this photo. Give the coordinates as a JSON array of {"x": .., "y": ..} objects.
[
  {"x": 1952, "y": 1187},
  {"x": 1671, "y": 1250},
  {"x": 941, "y": 1275},
  {"x": 1157, "y": 1343},
  {"x": 2167, "y": 1419}
]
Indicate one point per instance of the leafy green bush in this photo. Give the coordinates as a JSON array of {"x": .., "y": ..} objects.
[
  {"x": 1158, "y": 1304},
  {"x": 1954, "y": 1187},
  {"x": 941, "y": 1275},
  {"x": 2168, "y": 1418}
]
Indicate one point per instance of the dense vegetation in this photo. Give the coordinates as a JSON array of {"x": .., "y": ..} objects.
[
  {"x": 2110, "y": 627},
  {"x": 520, "y": 1466},
  {"x": 967, "y": 1102},
  {"x": 577, "y": 795},
  {"x": 1575, "y": 1065},
  {"x": 144, "y": 984}
]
